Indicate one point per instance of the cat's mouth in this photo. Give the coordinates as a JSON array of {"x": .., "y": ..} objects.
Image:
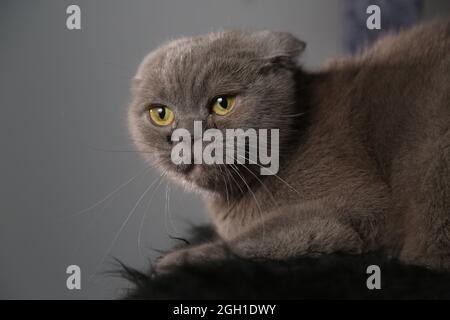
[
  {"x": 191, "y": 172},
  {"x": 185, "y": 169},
  {"x": 195, "y": 173}
]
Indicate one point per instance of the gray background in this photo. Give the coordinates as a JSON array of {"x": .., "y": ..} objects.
[{"x": 63, "y": 137}]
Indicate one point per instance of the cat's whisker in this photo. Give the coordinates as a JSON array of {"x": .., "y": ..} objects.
[
  {"x": 125, "y": 150},
  {"x": 261, "y": 182},
  {"x": 116, "y": 150},
  {"x": 228, "y": 174},
  {"x": 109, "y": 195},
  {"x": 171, "y": 220},
  {"x": 292, "y": 115},
  {"x": 91, "y": 223},
  {"x": 167, "y": 213},
  {"x": 85, "y": 230},
  {"x": 225, "y": 182},
  {"x": 254, "y": 198},
  {"x": 165, "y": 210},
  {"x": 256, "y": 177},
  {"x": 236, "y": 183},
  {"x": 271, "y": 172},
  {"x": 116, "y": 237},
  {"x": 144, "y": 216}
]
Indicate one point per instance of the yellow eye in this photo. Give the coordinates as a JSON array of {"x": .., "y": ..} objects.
[
  {"x": 223, "y": 105},
  {"x": 161, "y": 115}
]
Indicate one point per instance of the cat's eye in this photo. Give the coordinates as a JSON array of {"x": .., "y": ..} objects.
[
  {"x": 223, "y": 105},
  {"x": 161, "y": 115}
]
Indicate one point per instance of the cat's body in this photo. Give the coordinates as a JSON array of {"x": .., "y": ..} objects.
[{"x": 365, "y": 145}]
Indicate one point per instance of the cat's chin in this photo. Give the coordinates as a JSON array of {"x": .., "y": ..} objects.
[
  {"x": 200, "y": 177},
  {"x": 211, "y": 181},
  {"x": 195, "y": 178}
]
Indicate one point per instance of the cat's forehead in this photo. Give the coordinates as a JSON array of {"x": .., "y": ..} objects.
[
  {"x": 191, "y": 67},
  {"x": 194, "y": 68},
  {"x": 220, "y": 46},
  {"x": 186, "y": 52}
]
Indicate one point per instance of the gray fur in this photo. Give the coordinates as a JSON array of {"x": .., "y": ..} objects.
[{"x": 365, "y": 143}]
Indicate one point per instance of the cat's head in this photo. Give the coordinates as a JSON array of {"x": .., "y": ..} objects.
[{"x": 226, "y": 80}]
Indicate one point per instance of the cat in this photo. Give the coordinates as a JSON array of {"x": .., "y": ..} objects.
[{"x": 364, "y": 143}]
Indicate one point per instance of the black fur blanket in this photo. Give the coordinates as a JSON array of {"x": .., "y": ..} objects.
[{"x": 335, "y": 276}]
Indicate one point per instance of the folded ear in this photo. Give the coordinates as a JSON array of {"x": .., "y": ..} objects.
[{"x": 279, "y": 45}]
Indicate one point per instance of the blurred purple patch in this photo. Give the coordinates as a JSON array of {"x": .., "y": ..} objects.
[{"x": 395, "y": 14}]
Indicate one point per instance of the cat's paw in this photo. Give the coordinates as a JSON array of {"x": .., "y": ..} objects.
[{"x": 189, "y": 256}]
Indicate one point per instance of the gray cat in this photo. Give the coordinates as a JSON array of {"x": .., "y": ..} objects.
[{"x": 364, "y": 143}]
